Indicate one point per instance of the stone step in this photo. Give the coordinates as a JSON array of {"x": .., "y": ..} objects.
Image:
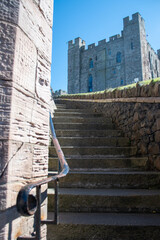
[
  {"x": 79, "y": 110},
  {"x": 88, "y": 133},
  {"x": 105, "y": 226},
  {"x": 100, "y": 162},
  {"x": 77, "y": 114},
  {"x": 112, "y": 179},
  {"x": 94, "y": 141},
  {"x": 95, "y": 150},
  {"x": 87, "y": 120},
  {"x": 83, "y": 126},
  {"x": 61, "y": 106},
  {"x": 106, "y": 200}
]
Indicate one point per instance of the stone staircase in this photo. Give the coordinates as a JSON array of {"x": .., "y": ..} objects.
[{"x": 108, "y": 193}]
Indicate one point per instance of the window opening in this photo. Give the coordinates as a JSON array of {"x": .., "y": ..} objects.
[
  {"x": 118, "y": 57},
  {"x": 90, "y": 80},
  {"x": 91, "y": 63},
  {"x": 131, "y": 45}
]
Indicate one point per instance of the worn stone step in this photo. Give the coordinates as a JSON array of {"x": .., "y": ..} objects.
[
  {"x": 83, "y": 126},
  {"x": 61, "y": 106},
  {"x": 61, "y": 110},
  {"x": 78, "y": 114},
  {"x": 106, "y": 200},
  {"x": 94, "y": 141},
  {"x": 88, "y": 133},
  {"x": 113, "y": 179},
  {"x": 88, "y": 120},
  {"x": 100, "y": 162},
  {"x": 95, "y": 150},
  {"x": 105, "y": 226}
]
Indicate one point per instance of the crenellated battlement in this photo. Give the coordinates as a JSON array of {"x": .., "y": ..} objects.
[
  {"x": 114, "y": 37},
  {"x": 101, "y": 42},
  {"x": 91, "y": 46},
  {"x": 136, "y": 17},
  {"x": 81, "y": 43},
  {"x": 78, "y": 42}
]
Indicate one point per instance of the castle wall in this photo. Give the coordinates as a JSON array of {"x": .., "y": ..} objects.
[
  {"x": 25, "y": 53},
  {"x": 153, "y": 63},
  {"x": 115, "y": 72},
  {"x": 107, "y": 72}
]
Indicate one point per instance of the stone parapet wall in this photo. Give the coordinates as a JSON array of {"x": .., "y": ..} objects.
[
  {"x": 136, "y": 111},
  {"x": 149, "y": 88}
]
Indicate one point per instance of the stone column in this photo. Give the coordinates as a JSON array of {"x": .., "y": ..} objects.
[{"x": 25, "y": 59}]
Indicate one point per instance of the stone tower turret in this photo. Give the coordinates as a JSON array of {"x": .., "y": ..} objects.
[
  {"x": 74, "y": 62},
  {"x": 135, "y": 47}
]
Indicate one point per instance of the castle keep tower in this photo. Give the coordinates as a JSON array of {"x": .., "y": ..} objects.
[{"x": 124, "y": 59}]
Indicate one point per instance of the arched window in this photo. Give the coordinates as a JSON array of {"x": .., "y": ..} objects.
[
  {"x": 90, "y": 80},
  {"x": 118, "y": 57},
  {"x": 90, "y": 63}
]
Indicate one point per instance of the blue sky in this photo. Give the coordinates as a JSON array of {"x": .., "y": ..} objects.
[{"x": 94, "y": 20}]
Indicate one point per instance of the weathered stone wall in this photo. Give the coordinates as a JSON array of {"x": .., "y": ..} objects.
[
  {"x": 25, "y": 58},
  {"x": 135, "y": 110}
]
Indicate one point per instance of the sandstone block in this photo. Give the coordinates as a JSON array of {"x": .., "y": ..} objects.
[
  {"x": 7, "y": 48},
  {"x": 43, "y": 79},
  {"x": 34, "y": 24},
  {"x": 47, "y": 8},
  {"x": 25, "y": 62},
  {"x": 9, "y": 10}
]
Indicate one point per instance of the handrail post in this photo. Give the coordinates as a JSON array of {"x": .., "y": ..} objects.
[
  {"x": 56, "y": 202},
  {"x": 38, "y": 213}
]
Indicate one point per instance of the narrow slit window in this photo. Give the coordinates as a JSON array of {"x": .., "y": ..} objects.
[
  {"x": 90, "y": 82},
  {"x": 132, "y": 46},
  {"x": 118, "y": 57},
  {"x": 90, "y": 63}
]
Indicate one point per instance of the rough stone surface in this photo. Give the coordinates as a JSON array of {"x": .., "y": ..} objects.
[
  {"x": 25, "y": 62},
  {"x": 25, "y": 57},
  {"x": 9, "y": 10},
  {"x": 7, "y": 47},
  {"x": 35, "y": 25}
]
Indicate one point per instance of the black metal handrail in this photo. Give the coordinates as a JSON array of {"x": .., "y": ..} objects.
[{"x": 28, "y": 204}]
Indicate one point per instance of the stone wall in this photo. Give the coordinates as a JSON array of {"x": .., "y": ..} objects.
[
  {"x": 126, "y": 58},
  {"x": 25, "y": 58},
  {"x": 135, "y": 110}
]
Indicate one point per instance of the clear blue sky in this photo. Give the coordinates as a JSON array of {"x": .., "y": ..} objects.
[{"x": 94, "y": 20}]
